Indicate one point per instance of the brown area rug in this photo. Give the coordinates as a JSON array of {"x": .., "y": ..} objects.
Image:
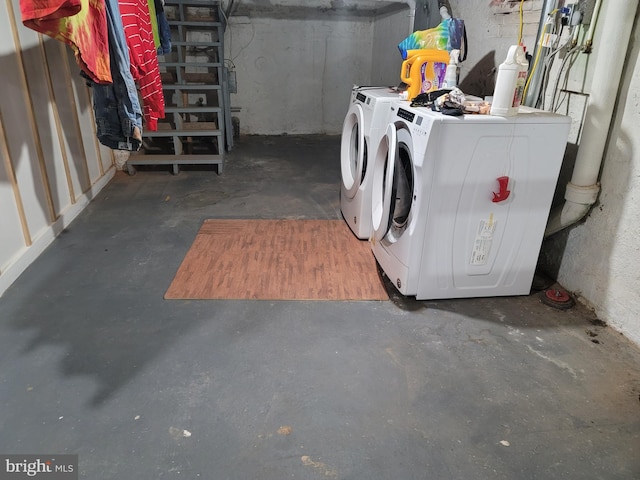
[{"x": 277, "y": 260}]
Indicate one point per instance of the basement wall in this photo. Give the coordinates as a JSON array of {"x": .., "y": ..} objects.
[
  {"x": 597, "y": 259},
  {"x": 51, "y": 164},
  {"x": 294, "y": 76}
]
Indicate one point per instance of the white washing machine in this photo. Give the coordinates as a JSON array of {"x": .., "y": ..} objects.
[
  {"x": 460, "y": 204},
  {"x": 363, "y": 127}
]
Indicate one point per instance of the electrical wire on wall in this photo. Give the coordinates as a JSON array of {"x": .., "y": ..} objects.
[
  {"x": 543, "y": 38},
  {"x": 572, "y": 49},
  {"x": 570, "y": 58},
  {"x": 227, "y": 11},
  {"x": 225, "y": 15},
  {"x": 556, "y": 49},
  {"x": 521, "y": 10},
  {"x": 229, "y": 62},
  {"x": 567, "y": 51},
  {"x": 567, "y": 62},
  {"x": 559, "y": 38}
]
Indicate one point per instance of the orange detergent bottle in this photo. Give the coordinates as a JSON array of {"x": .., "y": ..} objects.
[{"x": 424, "y": 70}]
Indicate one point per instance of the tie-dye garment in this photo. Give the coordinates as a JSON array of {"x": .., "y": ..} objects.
[
  {"x": 450, "y": 34},
  {"x": 82, "y": 24}
]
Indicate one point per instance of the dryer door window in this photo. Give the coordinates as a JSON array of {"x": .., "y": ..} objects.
[
  {"x": 365, "y": 160},
  {"x": 352, "y": 150},
  {"x": 382, "y": 192},
  {"x": 393, "y": 182},
  {"x": 402, "y": 181}
]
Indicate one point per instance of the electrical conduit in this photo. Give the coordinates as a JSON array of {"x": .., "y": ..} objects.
[
  {"x": 412, "y": 14},
  {"x": 611, "y": 49},
  {"x": 444, "y": 13},
  {"x": 535, "y": 77},
  {"x": 592, "y": 27}
]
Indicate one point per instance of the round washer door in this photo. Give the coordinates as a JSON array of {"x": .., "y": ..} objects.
[
  {"x": 403, "y": 181},
  {"x": 352, "y": 150},
  {"x": 382, "y": 183}
]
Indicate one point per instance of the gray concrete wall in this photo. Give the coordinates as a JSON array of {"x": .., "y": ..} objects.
[
  {"x": 295, "y": 68},
  {"x": 389, "y": 31}
]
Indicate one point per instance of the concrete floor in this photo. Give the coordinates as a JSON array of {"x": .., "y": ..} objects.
[{"x": 94, "y": 362}]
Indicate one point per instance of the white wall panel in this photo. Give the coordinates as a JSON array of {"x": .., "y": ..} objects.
[
  {"x": 12, "y": 239},
  {"x": 44, "y": 112},
  {"x": 75, "y": 171},
  {"x": 51, "y": 164},
  {"x": 89, "y": 167},
  {"x": 19, "y": 129}
]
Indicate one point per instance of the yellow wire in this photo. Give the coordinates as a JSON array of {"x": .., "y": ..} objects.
[
  {"x": 521, "y": 23},
  {"x": 535, "y": 63}
]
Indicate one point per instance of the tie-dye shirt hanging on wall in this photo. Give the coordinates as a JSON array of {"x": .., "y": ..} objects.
[{"x": 82, "y": 24}]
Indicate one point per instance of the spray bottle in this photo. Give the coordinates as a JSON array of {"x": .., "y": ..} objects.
[
  {"x": 512, "y": 75},
  {"x": 451, "y": 75}
]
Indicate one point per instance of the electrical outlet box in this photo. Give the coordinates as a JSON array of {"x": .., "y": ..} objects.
[
  {"x": 572, "y": 15},
  {"x": 231, "y": 80}
]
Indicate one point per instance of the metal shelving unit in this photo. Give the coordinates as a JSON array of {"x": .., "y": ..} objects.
[{"x": 197, "y": 128}]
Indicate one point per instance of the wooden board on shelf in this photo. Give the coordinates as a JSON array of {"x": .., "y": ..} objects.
[{"x": 199, "y": 126}]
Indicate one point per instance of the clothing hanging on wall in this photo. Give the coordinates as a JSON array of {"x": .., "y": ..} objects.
[
  {"x": 116, "y": 49},
  {"x": 163, "y": 27},
  {"x": 154, "y": 22},
  {"x": 144, "y": 58},
  {"x": 116, "y": 106},
  {"x": 81, "y": 24}
]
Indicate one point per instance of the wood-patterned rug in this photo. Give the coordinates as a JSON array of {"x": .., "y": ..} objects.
[{"x": 277, "y": 260}]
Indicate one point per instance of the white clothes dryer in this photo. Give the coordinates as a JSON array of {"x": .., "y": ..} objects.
[
  {"x": 460, "y": 204},
  {"x": 363, "y": 127}
]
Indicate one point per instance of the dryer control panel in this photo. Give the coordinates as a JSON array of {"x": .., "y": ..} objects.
[
  {"x": 408, "y": 116},
  {"x": 417, "y": 121}
]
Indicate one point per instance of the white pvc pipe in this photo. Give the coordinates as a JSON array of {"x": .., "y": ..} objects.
[
  {"x": 610, "y": 52},
  {"x": 412, "y": 14},
  {"x": 594, "y": 21},
  {"x": 444, "y": 13}
]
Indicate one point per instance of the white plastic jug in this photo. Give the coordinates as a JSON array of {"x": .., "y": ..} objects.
[{"x": 512, "y": 75}]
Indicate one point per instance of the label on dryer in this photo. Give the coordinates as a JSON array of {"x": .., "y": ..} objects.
[{"x": 483, "y": 241}]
